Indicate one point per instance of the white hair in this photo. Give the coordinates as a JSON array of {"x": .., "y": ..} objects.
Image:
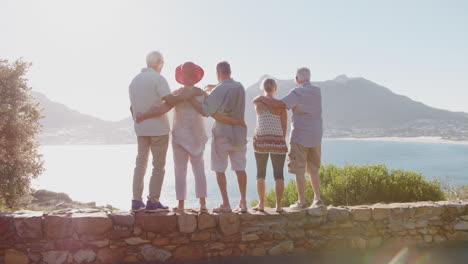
[
  {"x": 303, "y": 74},
  {"x": 154, "y": 58}
]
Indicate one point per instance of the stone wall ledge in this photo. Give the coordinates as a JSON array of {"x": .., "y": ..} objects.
[{"x": 95, "y": 236}]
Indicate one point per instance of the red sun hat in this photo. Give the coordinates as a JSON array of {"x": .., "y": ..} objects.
[{"x": 188, "y": 73}]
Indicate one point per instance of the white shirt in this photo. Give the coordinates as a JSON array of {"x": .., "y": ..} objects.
[
  {"x": 188, "y": 128},
  {"x": 146, "y": 91}
]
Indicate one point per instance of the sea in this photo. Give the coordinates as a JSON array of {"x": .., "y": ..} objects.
[{"x": 103, "y": 173}]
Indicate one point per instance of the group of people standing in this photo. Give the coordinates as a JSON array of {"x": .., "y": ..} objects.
[{"x": 151, "y": 98}]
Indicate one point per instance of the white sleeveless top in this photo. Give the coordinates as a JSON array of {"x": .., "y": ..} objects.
[
  {"x": 188, "y": 128},
  {"x": 269, "y": 135}
]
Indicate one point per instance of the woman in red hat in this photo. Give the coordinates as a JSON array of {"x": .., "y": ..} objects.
[{"x": 189, "y": 134}]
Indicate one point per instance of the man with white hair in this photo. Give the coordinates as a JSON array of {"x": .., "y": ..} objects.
[
  {"x": 149, "y": 90},
  {"x": 305, "y": 101}
]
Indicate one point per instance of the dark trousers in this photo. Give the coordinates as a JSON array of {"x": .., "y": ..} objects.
[{"x": 278, "y": 164}]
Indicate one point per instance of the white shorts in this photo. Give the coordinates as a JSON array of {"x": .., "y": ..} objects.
[{"x": 221, "y": 149}]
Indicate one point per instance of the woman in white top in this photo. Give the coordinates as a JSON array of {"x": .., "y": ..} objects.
[
  {"x": 189, "y": 135},
  {"x": 269, "y": 140}
]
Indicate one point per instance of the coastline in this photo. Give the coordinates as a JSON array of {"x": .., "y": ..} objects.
[{"x": 406, "y": 139}]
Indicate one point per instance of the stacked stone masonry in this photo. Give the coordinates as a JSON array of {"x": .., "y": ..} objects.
[{"x": 92, "y": 236}]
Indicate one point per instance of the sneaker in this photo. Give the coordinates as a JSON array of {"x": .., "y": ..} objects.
[
  {"x": 155, "y": 206},
  {"x": 297, "y": 205},
  {"x": 137, "y": 205},
  {"x": 317, "y": 203}
]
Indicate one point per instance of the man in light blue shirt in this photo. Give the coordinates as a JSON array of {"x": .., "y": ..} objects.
[{"x": 305, "y": 101}]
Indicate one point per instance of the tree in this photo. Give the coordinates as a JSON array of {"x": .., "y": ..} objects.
[{"x": 20, "y": 161}]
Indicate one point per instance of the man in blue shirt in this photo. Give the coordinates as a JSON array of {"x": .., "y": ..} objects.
[{"x": 229, "y": 141}]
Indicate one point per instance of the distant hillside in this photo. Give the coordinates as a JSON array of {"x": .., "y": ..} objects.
[
  {"x": 352, "y": 107},
  {"x": 356, "y": 107},
  {"x": 63, "y": 125}
]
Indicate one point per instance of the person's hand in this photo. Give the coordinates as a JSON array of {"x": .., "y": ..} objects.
[
  {"x": 186, "y": 94},
  {"x": 209, "y": 88},
  {"x": 258, "y": 98},
  {"x": 140, "y": 118},
  {"x": 242, "y": 123},
  {"x": 199, "y": 92}
]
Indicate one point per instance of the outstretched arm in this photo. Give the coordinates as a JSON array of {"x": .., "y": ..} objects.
[
  {"x": 217, "y": 116},
  {"x": 271, "y": 102},
  {"x": 173, "y": 99},
  {"x": 154, "y": 112}
]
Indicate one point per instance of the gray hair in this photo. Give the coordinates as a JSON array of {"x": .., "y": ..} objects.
[
  {"x": 303, "y": 74},
  {"x": 224, "y": 68},
  {"x": 154, "y": 58}
]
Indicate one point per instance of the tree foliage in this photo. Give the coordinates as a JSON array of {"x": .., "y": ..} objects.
[{"x": 20, "y": 161}]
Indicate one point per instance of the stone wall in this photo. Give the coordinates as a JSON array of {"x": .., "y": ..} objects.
[{"x": 92, "y": 236}]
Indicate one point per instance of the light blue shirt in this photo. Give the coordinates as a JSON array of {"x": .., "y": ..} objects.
[
  {"x": 227, "y": 98},
  {"x": 305, "y": 101}
]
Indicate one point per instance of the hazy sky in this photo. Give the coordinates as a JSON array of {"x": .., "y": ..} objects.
[{"x": 85, "y": 53}]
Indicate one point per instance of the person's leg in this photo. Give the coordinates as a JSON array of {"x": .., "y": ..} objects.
[
  {"x": 296, "y": 165},
  {"x": 222, "y": 184},
  {"x": 198, "y": 168},
  {"x": 278, "y": 166},
  {"x": 313, "y": 167},
  {"x": 300, "y": 185},
  {"x": 238, "y": 164},
  {"x": 158, "y": 150},
  {"x": 180, "y": 172},
  {"x": 140, "y": 167},
  {"x": 242, "y": 182},
  {"x": 219, "y": 161},
  {"x": 261, "y": 160}
]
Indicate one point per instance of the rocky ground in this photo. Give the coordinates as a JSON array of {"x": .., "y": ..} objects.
[{"x": 44, "y": 200}]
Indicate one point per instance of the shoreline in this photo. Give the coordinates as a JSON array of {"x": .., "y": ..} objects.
[
  {"x": 437, "y": 140},
  {"x": 405, "y": 139}
]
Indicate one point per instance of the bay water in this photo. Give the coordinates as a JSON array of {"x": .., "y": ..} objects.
[{"x": 103, "y": 173}]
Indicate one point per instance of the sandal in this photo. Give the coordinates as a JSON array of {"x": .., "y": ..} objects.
[
  {"x": 257, "y": 208},
  {"x": 240, "y": 210},
  {"x": 203, "y": 210},
  {"x": 177, "y": 210},
  {"x": 221, "y": 209}
]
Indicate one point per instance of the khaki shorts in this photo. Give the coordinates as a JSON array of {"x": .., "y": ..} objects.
[
  {"x": 221, "y": 150},
  {"x": 302, "y": 159}
]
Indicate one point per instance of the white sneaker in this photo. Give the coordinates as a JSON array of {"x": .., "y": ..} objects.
[
  {"x": 317, "y": 203},
  {"x": 297, "y": 206}
]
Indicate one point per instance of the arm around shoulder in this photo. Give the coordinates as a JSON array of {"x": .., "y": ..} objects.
[{"x": 270, "y": 102}]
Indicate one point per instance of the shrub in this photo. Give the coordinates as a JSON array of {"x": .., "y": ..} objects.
[
  {"x": 368, "y": 184},
  {"x": 20, "y": 161},
  {"x": 459, "y": 193}
]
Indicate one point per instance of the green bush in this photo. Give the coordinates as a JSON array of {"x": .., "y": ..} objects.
[{"x": 368, "y": 184}]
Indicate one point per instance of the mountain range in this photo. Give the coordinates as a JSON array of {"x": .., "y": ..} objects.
[{"x": 352, "y": 107}]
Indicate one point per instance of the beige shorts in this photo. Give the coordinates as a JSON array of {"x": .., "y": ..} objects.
[
  {"x": 302, "y": 159},
  {"x": 221, "y": 150}
]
